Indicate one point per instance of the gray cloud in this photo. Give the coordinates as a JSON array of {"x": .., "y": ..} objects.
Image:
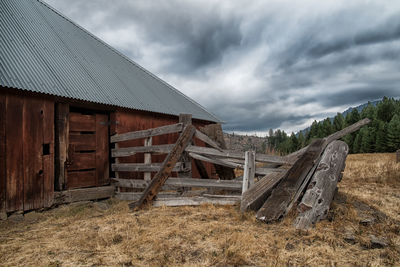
[{"x": 262, "y": 65}]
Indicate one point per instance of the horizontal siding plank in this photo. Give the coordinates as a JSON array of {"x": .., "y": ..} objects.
[
  {"x": 82, "y": 142},
  {"x": 141, "y": 167},
  {"x": 183, "y": 182},
  {"x": 130, "y": 151},
  {"x": 82, "y": 123},
  {"x": 83, "y": 161},
  {"x": 174, "y": 128},
  {"x": 79, "y": 179},
  {"x": 83, "y": 194}
]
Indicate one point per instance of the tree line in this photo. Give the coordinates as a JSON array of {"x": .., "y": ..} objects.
[{"x": 382, "y": 134}]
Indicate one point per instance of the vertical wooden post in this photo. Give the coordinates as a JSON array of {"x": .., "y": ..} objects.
[
  {"x": 147, "y": 157},
  {"x": 249, "y": 170},
  {"x": 186, "y": 119},
  {"x": 61, "y": 146}
]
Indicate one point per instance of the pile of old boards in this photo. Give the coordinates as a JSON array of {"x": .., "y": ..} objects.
[
  {"x": 310, "y": 174},
  {"x": 310, "y": 182}
]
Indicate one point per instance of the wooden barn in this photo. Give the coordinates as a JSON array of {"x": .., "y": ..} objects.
[{"x": 63, "y": 94}]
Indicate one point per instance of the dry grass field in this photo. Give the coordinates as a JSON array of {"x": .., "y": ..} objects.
[{"x": 107, "y": 234}]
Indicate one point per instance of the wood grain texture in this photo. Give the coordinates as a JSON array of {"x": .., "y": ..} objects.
[
  {"x": 130, "y": 151},
  {"x": 174, "y": 128},
  {"x": 249, "y": 170},
  {"x": 82, "y": 123},
  {"x": 61, "y": 144},
  {"x": 48, "y": 160},
  {"x": 3, "y": 180},
  {"x": 83, "y": 194},
  {"x": 14, "y": 153},
  {"x": 183, "y": 182},
  {"x": 316, "y": 201},
  {"x": 82, "y": 161},
  {"x": 102, "y": 161},
  {"x": 275, "y": 207},
  {"x": 83, "y": 142},
  {"x": 215, "y": 133},
  {"x": 81, "y": 179},
  {"x": 256, "y": 195},
  {"x": 159, "y": 179},
  {"x": 32, "y": 154},
  {"x": 141, "y": 167}
]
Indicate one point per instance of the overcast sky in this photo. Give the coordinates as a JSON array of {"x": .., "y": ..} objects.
[{"x": 257, "y": 64}]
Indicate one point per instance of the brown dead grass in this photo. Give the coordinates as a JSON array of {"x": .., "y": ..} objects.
[{"x": 85, "y": 235}]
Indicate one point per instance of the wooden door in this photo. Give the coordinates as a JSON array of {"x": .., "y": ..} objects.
[{"x": 87, "y": 161}]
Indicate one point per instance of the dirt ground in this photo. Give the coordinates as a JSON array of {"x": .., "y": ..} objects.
[{"x": 363, "y": 229}]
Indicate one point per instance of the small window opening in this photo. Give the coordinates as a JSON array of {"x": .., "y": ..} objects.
[{"x": 46, "y": 149}]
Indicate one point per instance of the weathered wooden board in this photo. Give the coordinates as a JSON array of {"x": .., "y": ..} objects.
[
  {"x": 83, "y": 142},
  {"x": 249, "y": 170},
  {"x": 215, "y": 161},
  {"x": 129, "y": 151},
  {"x": 82, "y": 161},
  {"x": 174, "y": 128},
  {"x": 215, "y": 133},
  {"x": 275, "y": 207},
  {"x": 48, "y": 153},
  {"x": 81, "y": 179},
  {"x": 102, "y": 161},
  {"x": 83, "y": 194},
  {"x": 14, "y": 154},
  {"x": 234, "y": 154},
  {"x": 82, "y": 123},
  {"x": 194, "y": 201},
  {"x": 61, "y": 144},
  {"x": 201, "y": 136},
  {"x": 256, "y": 195},
  {"x": 183, "y": 182},
  {"x": 141, "y": 167},
  {"x": 159, "y": 179},
  {"x": 316, "y": 201},
  {"x": 3, "y": 180}
]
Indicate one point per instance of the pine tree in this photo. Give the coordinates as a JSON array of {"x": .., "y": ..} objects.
[
  {"x": 338, "y": 122},
  {"x": 326, "y": 127},
  {"x": 357, "y": 143},
  {"x": 301, "y": 141},
  {"x": 381, "y": 137},
  {"x": 393, "y": 136},
  {"x": 369, "y": 112},
  {"x": 386, "y": 109}
]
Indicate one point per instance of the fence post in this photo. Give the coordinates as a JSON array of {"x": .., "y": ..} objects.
[
  {"x": 147, "y": 157},
  {"x": 186, "y": 119},
  {"x": 249, "y": 170}
]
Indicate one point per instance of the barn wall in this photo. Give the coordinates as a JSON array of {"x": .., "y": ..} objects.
[
  {"x": 127, "y": 121},
  {"x": 27, "y": 147}
]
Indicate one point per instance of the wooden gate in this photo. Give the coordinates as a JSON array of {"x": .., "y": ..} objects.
[{"x": 87, "y": 155}]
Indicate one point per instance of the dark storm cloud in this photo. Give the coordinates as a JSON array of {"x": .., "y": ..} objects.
[{"x": 261, "y": 65}]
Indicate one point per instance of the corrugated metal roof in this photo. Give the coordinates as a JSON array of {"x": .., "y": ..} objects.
[{"x": 43, "y": 51}]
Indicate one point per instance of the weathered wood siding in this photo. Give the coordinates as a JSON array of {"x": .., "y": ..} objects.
[
  {"x": 27, "y": 152},
  {"x": 127, "y": 121}
]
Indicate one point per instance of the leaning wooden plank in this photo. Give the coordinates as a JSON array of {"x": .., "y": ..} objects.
[
  {"x": 234, "y": 154},
  {"x": 170, "y": 161},
  {"x": 140, "y": 167},
  {"x": 194, "y": 201},
  {"x": 265, "y": 171},
  {"x": 216, "y": 161},
  {"x": 215, "y": 133},
  {"x": 275, "y": 207},
  {"x": 291, "y": 158},
  {"x": 207, "y": 140},
  {"x": 183, "y": 182},
  {"x": 83, "y": 194},
  {"x": 317, "y": 199},
  {"x": 256, "y": 195},
  {"x": 174, "y": 128},
  {"x": 130, "y": 151}
]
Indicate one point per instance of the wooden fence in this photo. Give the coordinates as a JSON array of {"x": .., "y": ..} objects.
[{"x": 185, "y": 190}]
